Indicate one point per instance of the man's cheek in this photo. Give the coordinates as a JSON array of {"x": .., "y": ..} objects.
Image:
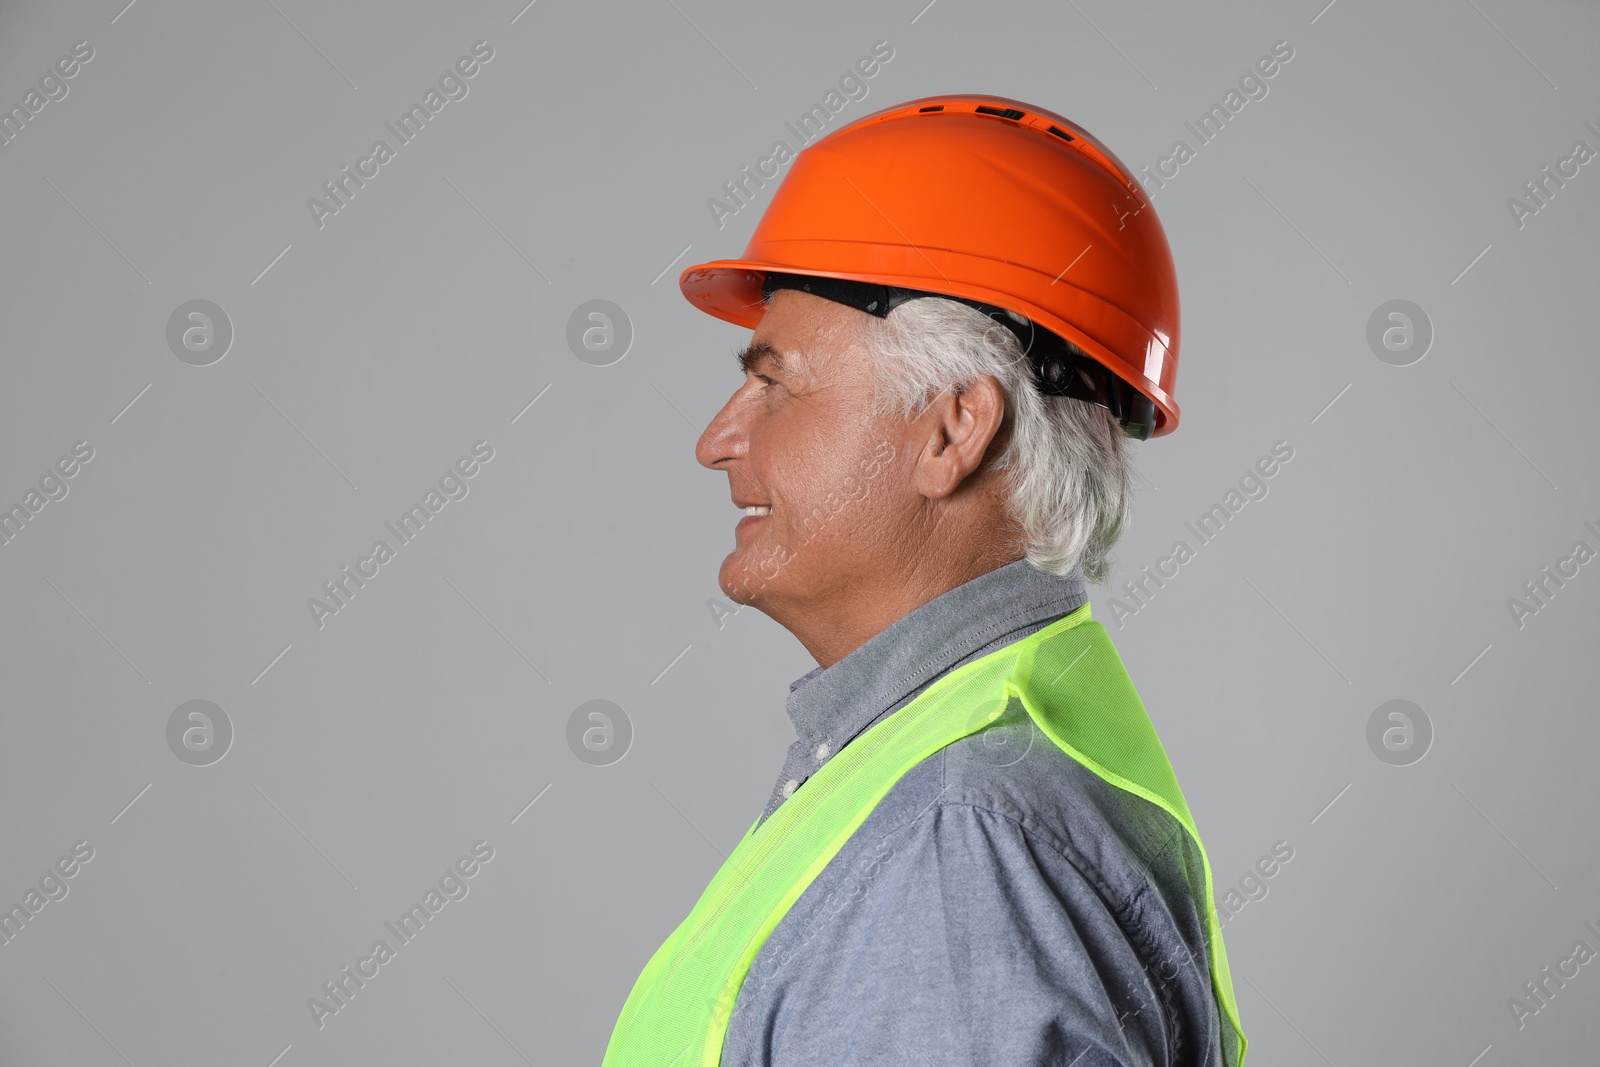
[{"x": 775, "y": 560}]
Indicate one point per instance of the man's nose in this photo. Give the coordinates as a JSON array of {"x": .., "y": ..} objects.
[{"x": 724, "y": 438}]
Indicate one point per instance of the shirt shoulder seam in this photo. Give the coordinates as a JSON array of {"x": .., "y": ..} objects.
[{"x": 1123, "y": 912}]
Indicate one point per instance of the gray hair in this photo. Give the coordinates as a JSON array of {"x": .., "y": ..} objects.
[{"x": 1067, "y": 463}]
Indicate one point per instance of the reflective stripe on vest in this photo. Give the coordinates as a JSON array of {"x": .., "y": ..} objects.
[{"x": 1071, "y": 681}]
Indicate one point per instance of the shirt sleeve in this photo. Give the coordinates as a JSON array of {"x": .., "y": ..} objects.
[{"x": 965, "y": 937}]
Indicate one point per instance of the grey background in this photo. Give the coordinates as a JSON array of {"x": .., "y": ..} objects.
[{"x": 369, "y": 354}]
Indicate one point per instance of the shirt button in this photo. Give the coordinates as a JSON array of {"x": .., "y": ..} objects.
[
  {"x": 790, "y": 786},
  {"x": 822, "y": 752}
]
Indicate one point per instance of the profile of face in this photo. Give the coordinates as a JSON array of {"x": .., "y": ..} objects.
[{"x": 798, "y": 440}]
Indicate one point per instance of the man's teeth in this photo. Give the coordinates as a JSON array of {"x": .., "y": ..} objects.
[{"x": 758, "y": 510}]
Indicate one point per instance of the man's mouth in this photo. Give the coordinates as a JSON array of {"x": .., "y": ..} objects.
[{"x": 753, "y": 512}]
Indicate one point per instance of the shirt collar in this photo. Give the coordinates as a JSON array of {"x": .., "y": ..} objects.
[{"x": 830, "y": 706}]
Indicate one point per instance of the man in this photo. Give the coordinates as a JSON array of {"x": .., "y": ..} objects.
[{"x": 976, "y": 852}]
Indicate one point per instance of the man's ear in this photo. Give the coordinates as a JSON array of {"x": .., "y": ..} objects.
[{"x": 956, "y": 429}]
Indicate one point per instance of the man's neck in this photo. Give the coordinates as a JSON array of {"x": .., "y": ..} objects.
[{"x": 863, "y": 607}]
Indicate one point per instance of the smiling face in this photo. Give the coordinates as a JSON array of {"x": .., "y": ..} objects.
[
  {"x": 856, "y": 519},
  {"x": 799, "y": 442}
]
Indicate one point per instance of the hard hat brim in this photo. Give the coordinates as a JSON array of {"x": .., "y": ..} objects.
[{"x": 730, "y": 289}]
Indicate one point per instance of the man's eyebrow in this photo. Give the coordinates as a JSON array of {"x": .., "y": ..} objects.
[{"x": 752, "y": 355}]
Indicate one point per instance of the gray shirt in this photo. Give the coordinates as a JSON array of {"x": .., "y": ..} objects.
[{"x": 1002, "y": 904}]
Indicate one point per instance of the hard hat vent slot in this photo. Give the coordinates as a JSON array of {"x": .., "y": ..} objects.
[
  {"x": 1003, "y": 112},
  {"x": 1063, "y": 134},
  {"x": 925, "y": 110}
]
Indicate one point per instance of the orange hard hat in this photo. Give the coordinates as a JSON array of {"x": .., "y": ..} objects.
[{"x": 987, "y": 200}]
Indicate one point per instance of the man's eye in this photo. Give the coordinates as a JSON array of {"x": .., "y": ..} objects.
[{"x": 767, "y": 380}]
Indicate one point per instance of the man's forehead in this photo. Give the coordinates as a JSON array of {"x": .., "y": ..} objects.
[{"x": 799, "y": 334}]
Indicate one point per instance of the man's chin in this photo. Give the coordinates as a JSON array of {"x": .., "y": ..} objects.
[{"x": 741, "y": 579}]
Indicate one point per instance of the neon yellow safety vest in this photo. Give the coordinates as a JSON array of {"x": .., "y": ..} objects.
[{"x": 1071, "y": 681}]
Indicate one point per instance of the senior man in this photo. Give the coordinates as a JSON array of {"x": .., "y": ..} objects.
[{"x": 976, "y": 852}]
